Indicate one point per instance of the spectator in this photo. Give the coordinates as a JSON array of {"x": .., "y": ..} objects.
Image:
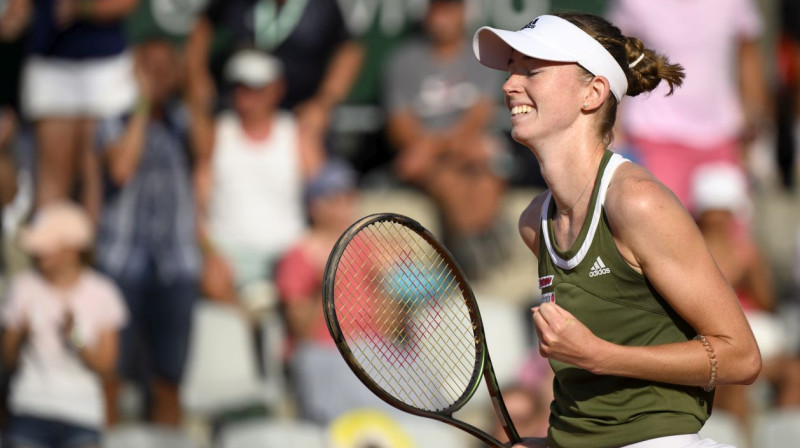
[
  {"x": 148, "y": 238},
  {"x": 723, "y": 102},
  {"x": 315, "y": 361},
  {"x": 720, "y": 194},
  {"x": 78, "y": 70},
  {"x": 61, "y": 323},
  {"x": 320, "y": 58},
  {"x": 439, "y": 110},
  {"x": 529, "y": 411},
  {"x": 251, "y": 178}
]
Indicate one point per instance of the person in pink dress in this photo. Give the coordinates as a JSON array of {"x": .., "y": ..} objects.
[{"x": 723, "y": 102}]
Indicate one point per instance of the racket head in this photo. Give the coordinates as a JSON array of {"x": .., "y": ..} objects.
[{"x": 371, "y": 244}]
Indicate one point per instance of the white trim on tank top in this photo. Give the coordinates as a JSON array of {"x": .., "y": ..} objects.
[{"x": 614, "y": 163}]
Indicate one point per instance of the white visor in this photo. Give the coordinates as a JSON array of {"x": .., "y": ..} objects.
[{"x": 550, "y": 38}]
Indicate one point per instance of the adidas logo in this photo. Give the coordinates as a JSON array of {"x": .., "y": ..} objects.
[{"x": 599, "y": 268}]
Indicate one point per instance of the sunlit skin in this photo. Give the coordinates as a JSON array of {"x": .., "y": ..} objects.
[{"x": 560, "y": 126}]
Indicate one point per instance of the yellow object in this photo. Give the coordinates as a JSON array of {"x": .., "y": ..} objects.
[{"x": 368, "y": 428}]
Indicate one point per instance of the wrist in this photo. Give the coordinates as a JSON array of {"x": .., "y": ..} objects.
[
  {"x": 598, "y": 356},
  {"x": 142, "y": 106}
]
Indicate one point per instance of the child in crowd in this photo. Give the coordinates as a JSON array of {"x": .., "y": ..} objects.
[{"x": 61, "y": 322}]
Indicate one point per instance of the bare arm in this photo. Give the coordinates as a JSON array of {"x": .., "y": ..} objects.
[
  {"x": 753, "y": 85},
  {"x": 314, "y": 113},
  {"x": 759, "y": 283},
  {"x": 102, "y": 355},
  {"x": 8, "y": 172},
  {"x": 123, "y": 156},
  {"x": 530, "y": 223},
  {"x": 342, "y": 72},
  {"x": 13, "y": 340},
  {"x": 103, "y": 11},
  {"x": 666, "y": 246},
  {"x": 300, "y": 315},
  {"x": 15, "y": 19}
]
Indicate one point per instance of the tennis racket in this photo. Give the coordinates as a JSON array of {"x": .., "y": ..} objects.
[{"x": 406, "y": 321}]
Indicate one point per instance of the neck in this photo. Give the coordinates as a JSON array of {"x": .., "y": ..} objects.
[
  {"x": 257, "y": 127},
  {"x": 570, "y": 171},
  {"x": 65, "y": 277}
]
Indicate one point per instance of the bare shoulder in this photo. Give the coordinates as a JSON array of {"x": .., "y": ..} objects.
[
  {"x": 645, "y": 217},
  {"x": 634, "y": 194},
  {"x": 530, "y": 222}
]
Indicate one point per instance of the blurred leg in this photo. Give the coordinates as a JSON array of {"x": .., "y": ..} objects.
[
  {"x": 57, "y": 156},
  {"x": 90, "y": 171},
  {"x": 170, "y": 315}
]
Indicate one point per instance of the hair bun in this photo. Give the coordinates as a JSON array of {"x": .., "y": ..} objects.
[{"x": 646, "y": 68}]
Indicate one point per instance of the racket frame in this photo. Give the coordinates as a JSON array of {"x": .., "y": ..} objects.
[{"x": 483, "y": 364}]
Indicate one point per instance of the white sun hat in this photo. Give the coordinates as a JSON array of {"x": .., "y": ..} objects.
[{"x": 550, "y": 38}]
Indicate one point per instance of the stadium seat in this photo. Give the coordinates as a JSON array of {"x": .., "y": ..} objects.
[
  {"x": 271, "y": 434},
  {"x": 724, "y": 428},
  {"x": 146, "y": 436},
  {"x": 221, "y": 371},
  {"x": 777, "y": 429}
]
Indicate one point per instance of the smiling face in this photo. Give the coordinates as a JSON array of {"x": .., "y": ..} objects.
[{"x": 543, "y": 97}]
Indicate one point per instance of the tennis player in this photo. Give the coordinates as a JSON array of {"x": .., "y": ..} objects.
[{"x": 636, "y": 319}]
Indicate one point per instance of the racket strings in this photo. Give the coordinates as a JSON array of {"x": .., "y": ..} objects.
[{"x": 404, "y": 316}]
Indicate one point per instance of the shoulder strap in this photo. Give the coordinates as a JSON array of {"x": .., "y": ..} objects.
[{"x": 614, "y": 163}]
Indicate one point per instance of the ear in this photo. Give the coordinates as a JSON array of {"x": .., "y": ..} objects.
[{"x": 597, "y": 91}]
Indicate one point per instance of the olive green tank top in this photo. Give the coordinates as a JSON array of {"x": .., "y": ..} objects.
[{"x": 592, "y": 281}]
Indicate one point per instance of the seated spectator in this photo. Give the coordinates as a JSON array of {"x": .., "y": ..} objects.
[
  {"x": 439, "y": 110},
  {"x": 61, "y": 322},
  {"x": 315, "y": 363},
  {"x": 719, "y": 193},
  {"x": 148, "y": 239},
  {"x": 251, "y": 178}
]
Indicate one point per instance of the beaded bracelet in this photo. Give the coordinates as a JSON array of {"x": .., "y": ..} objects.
[{"x": 712, "y": 357}]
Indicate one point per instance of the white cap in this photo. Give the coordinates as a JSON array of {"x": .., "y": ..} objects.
[
  {"x": 253, "y": 68},
  {"x": 720, "y": 186},
  {"x": 550, "y": 38},
  {"x": 56, "y": 226}
]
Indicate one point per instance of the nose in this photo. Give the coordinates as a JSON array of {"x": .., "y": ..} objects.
[{"x": 512, "y": 85}]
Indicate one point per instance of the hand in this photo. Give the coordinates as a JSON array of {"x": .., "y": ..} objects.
[
  {"x": 217, "y": 281},
  {"x": 66, "y": 12},
  {"x": 563, "y": 337}
]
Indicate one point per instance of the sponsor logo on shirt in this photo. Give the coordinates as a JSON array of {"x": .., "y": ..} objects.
[
  {"x": 549, "y": 297},
  {"x": 599, "y": 268},
  {"x": 546, "y": 281}
]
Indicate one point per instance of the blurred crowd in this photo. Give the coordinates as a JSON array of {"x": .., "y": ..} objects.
[{"x": 174, "y": 174}]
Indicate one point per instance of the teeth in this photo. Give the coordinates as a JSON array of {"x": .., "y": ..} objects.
[{"x": 516, "y": 110}]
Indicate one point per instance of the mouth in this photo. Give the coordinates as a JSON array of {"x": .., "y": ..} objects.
[{"x": 520, "y": 110}]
